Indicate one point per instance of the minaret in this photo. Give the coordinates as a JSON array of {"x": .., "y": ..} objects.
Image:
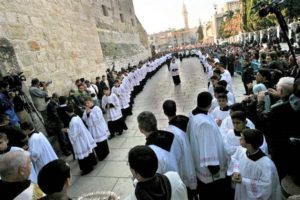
[{"x": 185, "y": 16}]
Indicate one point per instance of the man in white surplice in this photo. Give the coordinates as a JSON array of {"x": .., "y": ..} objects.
[
  {"x": 82, "y": 142},
  {"x": 41, "y": 151},
  {"x": 97, "y": 126},
  {"x": 177, "y": 126},
  {"x": 253, "y": 171},
  {"x": 161, "y": 142},
  {"x": 207, "y": 150}
]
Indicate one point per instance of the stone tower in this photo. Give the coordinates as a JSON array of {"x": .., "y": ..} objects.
[{"x": 185, "y": 16}]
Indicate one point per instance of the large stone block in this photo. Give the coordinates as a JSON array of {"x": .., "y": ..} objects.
[
  {"x": 26, "y": 59},
  {"x": 34, "y": 46},
  {"x": 17, "y": 32}
]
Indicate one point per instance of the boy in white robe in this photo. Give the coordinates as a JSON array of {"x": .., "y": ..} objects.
[
  {"x": 115, "y": 121},
  {"x": 82, "y": 142},
  {"x": 163, "y": 143},
  {"x": 207, "y": 150},
  {"x": 230, "y": 95},
  {"x": 4, "y": 148},
  {"x": 254, "y": 172},
  {"x": 227, "y": 122},
  {"x": 121, "y": 94},
  {"x": 221, "y": 111},
  {"x": 225, "y": 75},
  {"x": 218, "y": 89},
  {"x": 41, "y": 151},
  {"x": 150, "y": 185},
  {"x": 93, "y": 118},
  {"x": 177, "y": 126},
  {"x": 175, "y": 72},
  {"x": 233, "y": 136}
]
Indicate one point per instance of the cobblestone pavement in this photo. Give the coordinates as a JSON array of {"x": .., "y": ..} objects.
[{"x": 113, "y": 173}]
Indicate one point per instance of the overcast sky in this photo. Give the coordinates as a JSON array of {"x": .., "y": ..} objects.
[{"x": 160, "y": 15}]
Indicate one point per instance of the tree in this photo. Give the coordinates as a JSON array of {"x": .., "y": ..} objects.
[
  {"x": 292, "y": 8},
  {"x": 253, "y": 20},
  {"x": 200, "y": 33},
  {"x": 231, "y": 25},
  {"x": 229, "y": 14}
]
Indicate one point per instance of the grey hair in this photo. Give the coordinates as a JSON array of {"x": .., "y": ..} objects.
[
  {"x": 285, "y": 84},
  {"x": 11, "y": 162},
  {"x": 147, "y": 121}
]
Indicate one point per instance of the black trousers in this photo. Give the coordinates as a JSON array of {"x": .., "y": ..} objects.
[
  {"x": 102, "y": 150},
  {"x": 215, "y": 190},
  {"x": 87, "y": 164}
]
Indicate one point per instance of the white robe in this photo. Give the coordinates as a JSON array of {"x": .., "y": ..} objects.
[
  {"x": 96, "y": 124},
  {"x": 186, "y": 167},
  {"x": 123, "y": 97},
  {"x": 227, "y": 125},
  {"x": 218, "y": 114},
  {"x": 227, "y": 77},
  {"x": 115, "y": 112},
  {"x": 214, "y": 104},
  {"x": 231, "y": 97},
  {"x": 259, "y": 178},
  {"x": 207, "y": 146},
  {"x": 179, "y": 191},
  {"x": 93, "y": 89},
  {"x": 166, "y": 160},
  {"x": 41, "y": 151},
  {"x": 81, "y": 139},
  {"x": 174, "y": 66},
  {"x": 27, "y": 194},
  {"x": 232, "y": 143}
]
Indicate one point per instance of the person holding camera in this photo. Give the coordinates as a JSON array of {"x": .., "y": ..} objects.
[
  {"x": 38, "y": 92},
  {"x": 6, "y": 104}
]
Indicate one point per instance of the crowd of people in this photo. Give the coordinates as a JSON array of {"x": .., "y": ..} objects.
[
  {"x": 76, "y": 120},
  {"x": 222, "y": 149}
]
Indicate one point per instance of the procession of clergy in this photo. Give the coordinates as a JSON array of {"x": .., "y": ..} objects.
[{"x": 213, "y": 153}]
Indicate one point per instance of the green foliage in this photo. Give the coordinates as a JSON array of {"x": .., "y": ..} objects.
[
  {"x": 292, "y": 8},
  {"x": 229, "y": 14},
  {"x": 222, "y": 32},
  {"x": 254, "y": 21}
]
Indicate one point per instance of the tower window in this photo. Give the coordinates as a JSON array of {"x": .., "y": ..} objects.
[
  {"x": 132, "y": 22},
  {"x": 122, "y": 18},
  {"x": 104, "y": 10}
]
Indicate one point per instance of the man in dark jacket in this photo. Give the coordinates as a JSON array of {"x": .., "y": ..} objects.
[
  {"x": 282, "y": 129},
  {"x": 247, "y": 77},
  {"x": 54, "y": 125},
  {"x": 101, "y": 84}
]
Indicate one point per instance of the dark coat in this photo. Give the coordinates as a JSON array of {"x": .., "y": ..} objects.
[{"x": 282, "y": 122}]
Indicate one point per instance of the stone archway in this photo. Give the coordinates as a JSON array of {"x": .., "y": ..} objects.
[{"x": 8, "y": 59}]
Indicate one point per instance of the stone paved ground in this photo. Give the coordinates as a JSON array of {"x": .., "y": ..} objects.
[{"x": 113, "y": 173}]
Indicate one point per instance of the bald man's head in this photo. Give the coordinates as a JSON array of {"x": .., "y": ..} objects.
[{"x": 15, "y": 166}]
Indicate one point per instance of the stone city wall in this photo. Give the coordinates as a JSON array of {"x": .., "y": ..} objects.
[
  {"x": 53, "y": 40},
  {"x": 123, "y": 39},
  {"x": 63, "y": 40}
]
